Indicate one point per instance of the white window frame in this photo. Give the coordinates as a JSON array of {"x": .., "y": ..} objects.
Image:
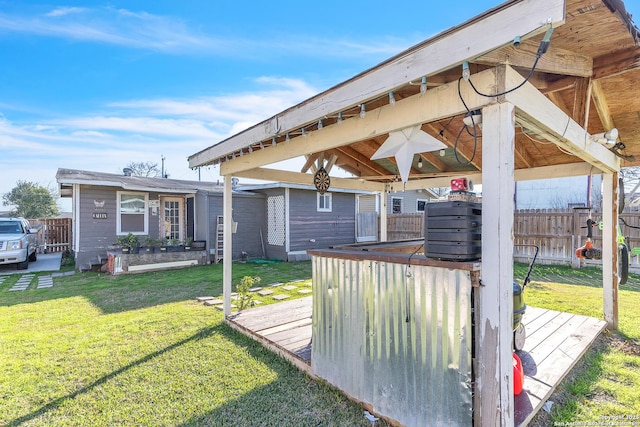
[
  {"x": 392, "y": 200},
  {"x": 327, "y": 199},
  {"x": 119, "y": 214},
  {"x": 418, "y": 203}
]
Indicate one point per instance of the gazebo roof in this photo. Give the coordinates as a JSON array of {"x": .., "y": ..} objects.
[{"x": 588, "y": 74}]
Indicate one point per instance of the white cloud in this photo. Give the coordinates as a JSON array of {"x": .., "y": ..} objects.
[
  {"x": 138, "y": 130},
  {"x": 143, "y": 30},
  {"x": 65, "y": 10}
]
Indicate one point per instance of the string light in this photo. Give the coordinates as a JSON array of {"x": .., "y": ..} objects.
[
  {"x": 363, "y": 111},
  {"x": 286, "y": 138},
  {"x": 340, "y": 117},
  {"x": 392, "y": 99},
  {"x": 423, "y": 85},
  {"x": 319, "y": 124},
  {"x": 419, "y": 161},
  {"x": 302, "y": 130},
  {"x": 273, "y": 141}
]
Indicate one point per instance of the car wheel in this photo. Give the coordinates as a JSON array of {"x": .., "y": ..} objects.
[
  {"x": 33, "y": 257},
  {"x": 23, "y": 265}
]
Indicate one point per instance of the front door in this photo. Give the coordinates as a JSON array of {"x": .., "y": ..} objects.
[{"x": 173, "y": 217}]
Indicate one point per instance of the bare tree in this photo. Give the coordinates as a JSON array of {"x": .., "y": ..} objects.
[{"x": 146, "y": 169}]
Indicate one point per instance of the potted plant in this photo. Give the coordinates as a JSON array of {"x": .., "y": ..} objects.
[
  {"x": 122, "y": 244},
  {"x": 150, "y": 244},
  {"x": 187, "y": 243},
  {"x": 134, "y": 243},
  {"x": 175, "y": 245}
]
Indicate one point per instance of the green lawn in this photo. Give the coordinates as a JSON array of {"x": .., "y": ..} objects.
[
  {"x": 604, "y": 386},
  {"x": 139, "y": 350}
]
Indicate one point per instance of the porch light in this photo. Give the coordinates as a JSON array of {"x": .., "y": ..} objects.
[{"x": 423, "y": 85}]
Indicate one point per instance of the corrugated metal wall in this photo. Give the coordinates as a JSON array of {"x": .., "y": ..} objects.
[{"x": 401, "y": 344}]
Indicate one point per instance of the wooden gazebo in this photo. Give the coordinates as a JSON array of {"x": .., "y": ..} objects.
[{"x": 549, "y": 80}]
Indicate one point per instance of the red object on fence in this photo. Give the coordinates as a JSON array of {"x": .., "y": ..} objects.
[{"x": 518, "y": 375}]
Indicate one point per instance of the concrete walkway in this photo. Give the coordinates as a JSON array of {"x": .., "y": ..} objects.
[{"x": 45, "y": 262}]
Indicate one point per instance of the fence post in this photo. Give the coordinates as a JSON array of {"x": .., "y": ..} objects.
[{"x": 576, "y": 239}]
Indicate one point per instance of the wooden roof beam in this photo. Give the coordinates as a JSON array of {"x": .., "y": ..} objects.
[
  {"x": 537, "y": 113},
  {"x": 613, "y": 64},
  {"x": 310, "y": 162},
  {"x": 268, "y": 174},
  {"x": 582, "y": 103},
  {"x": 361, "y": 160},
  {"x": 555, "y": 60},
  {"x": 600, "y": 102}
]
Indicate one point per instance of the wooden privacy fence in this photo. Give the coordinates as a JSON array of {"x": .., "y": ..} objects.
[
  {"x": 54, "y": 234},
  {"x": 557, "y": 233}
]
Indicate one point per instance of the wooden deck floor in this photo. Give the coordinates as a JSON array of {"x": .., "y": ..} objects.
[{"x": 555, "y": 342}]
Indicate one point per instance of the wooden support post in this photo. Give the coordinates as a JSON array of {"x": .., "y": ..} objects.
[
  {"x": 227, "y": 266},
  {"x": 610, "y": 248},
  {"x": 493, "y": 398},
  {"x": 383, "y": 216}
]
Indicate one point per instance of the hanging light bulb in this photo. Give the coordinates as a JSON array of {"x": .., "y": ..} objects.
[
  {"x": 319, "y": 124},
  {"x": 340, "y": 117},
  {"x": 273, "y": 141},
  {"x": 363, "y": 111},
  {"x": 419, "y": 161},
  {"x": 302, "y": 130},
  {"x": 286, "y": 138},
  {"x": 261, "y": 145},
  {"x": 392, "y": 99},
  {"x": 423, "y": 85},
  {"x": 250, "y": 149}
]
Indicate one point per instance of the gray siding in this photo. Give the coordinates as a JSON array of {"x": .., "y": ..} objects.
[
  {"x": 95, "y": 235},
  {"x": 249, "y": 213},
  {"x": 326, "y": 228}
]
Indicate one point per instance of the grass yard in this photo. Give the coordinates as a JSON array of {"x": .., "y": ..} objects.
[
  {"x": 604, "y": 387},
  {"x": 139, "y": 350}
]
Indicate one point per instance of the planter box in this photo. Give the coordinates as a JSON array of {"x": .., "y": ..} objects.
[{"x": 119, "y": 263}]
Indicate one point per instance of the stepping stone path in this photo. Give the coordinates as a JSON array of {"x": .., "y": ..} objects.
[
  {"x": 45, "y": 282},
  {"x": 263, "y": 292},
  {"x": 23, "y": 282}
]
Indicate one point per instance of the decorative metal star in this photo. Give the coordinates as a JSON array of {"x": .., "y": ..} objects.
[{"x": 404, "y": 144}]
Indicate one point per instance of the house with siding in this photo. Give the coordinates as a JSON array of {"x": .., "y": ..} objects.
[
  {"x": 274, "y": 221},
  {"x": 299, "y": 218}
]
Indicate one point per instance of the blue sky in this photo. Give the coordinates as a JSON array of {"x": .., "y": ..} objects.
[{"x": 95, "y": 85}]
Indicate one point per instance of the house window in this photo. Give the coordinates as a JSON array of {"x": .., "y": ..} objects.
[
  {"x": 324, "y": 202},
  {"x": 420, "y": 204},
  {"x": 132, "y": 213},
  {"x": 396, "y": 205}
]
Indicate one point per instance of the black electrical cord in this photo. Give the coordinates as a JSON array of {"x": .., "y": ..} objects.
[
  {"x": 542, "y": 48},
  {"x": 475, "y": 134}
]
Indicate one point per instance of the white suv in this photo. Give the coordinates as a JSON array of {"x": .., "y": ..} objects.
[{"x": 18, "y": 243}]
